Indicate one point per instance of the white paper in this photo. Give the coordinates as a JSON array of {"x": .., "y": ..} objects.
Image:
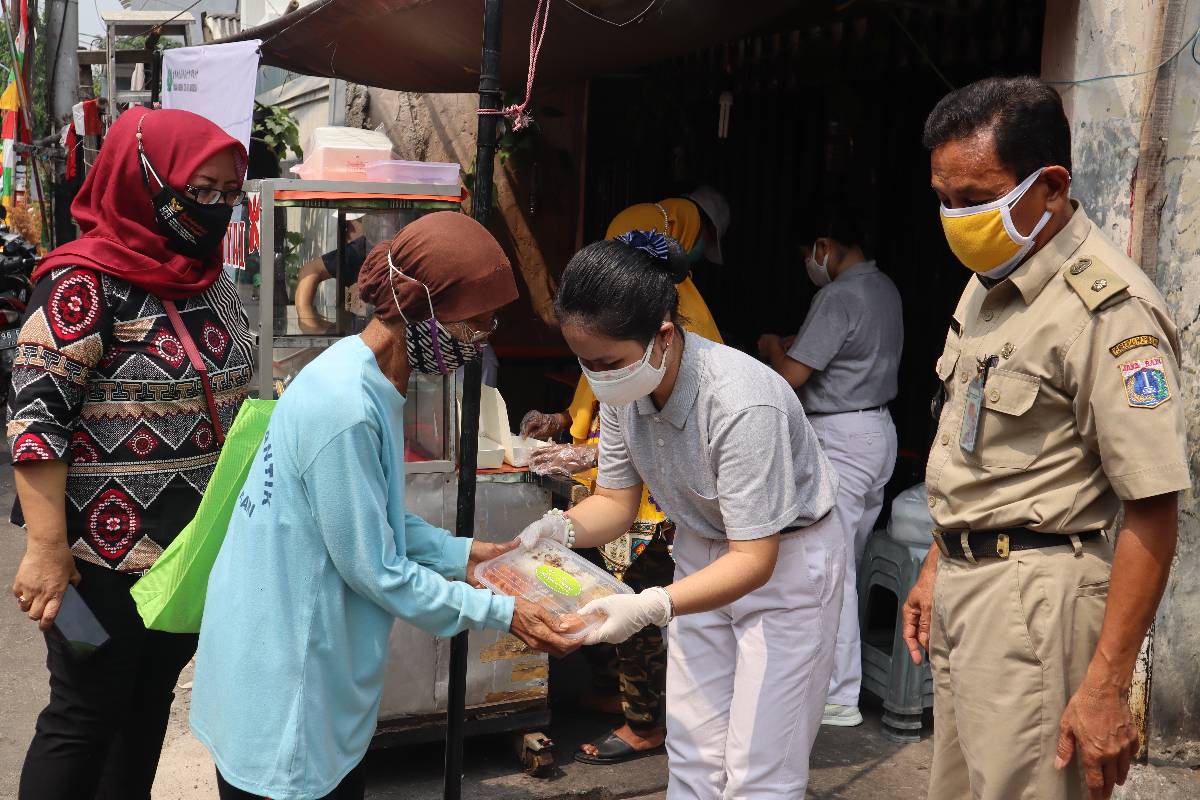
[{"x": 215, "y": 81}]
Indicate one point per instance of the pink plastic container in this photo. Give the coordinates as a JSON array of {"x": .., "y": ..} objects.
[{"x": 342, "y": 154}]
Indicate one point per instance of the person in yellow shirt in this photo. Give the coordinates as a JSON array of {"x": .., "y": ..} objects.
[{"x": 642, "y": 557}]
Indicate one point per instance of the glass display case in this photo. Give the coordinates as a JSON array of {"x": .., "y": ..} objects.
[{"x": 305, "y": 243}]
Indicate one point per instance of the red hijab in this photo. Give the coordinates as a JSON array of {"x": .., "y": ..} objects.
[{"x": 120, "y": 235}]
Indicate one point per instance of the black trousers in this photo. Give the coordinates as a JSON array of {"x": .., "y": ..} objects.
[
  {"x": 101, "y": 734},
  {"x": 352, "y": 787}
]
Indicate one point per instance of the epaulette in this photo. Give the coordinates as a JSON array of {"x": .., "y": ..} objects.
[{"x": 1094, "y": 281}]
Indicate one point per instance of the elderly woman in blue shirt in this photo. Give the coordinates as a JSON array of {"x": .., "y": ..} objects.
[{"x": 321, "y": 556}]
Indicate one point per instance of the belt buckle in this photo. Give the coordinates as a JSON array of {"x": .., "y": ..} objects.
[
  {"x": 941, "y": 543},
  {"x": 1002, "y": 545}
]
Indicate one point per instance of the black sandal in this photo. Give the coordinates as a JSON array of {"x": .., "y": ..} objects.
[{"x": 612, "y": 749}]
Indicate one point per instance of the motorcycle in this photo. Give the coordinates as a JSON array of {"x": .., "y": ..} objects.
[{"x": 17, "y": 261}]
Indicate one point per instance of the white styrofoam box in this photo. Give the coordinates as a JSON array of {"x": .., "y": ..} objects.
[
  {"x": 491, "y": 453},
  {"x": 340, "y": 153},
  {"x": 493, "y": 425},
  {"x": 522, "y": 447},
  {"x": 911, "y": 523}
]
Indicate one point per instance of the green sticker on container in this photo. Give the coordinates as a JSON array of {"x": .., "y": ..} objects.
[{"x": 558, "y": 581}]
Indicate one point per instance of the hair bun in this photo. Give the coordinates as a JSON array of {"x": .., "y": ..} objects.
[
  {"x": 676, "y": 263},
  {"x": 665, "y": 253}
]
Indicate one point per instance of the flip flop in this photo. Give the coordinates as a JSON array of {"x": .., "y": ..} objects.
[{"x": 612, "y": 749}]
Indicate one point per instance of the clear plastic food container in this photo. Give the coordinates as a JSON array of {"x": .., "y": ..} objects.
[
  {"x": 431, "y": 173},
  {"x": 555, "y": 578}
]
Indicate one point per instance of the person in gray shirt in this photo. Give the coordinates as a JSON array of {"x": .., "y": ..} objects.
[
  {"x": 843, "y": 364},
  {"x": 725, "y": 449}
]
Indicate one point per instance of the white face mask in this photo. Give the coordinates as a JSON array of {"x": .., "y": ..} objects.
[
  {"x": 620, "y": 387},
  {"x": 817, "y": 273}
]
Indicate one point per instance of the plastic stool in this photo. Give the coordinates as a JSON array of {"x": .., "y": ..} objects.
[{"x": 889, "y": 571}]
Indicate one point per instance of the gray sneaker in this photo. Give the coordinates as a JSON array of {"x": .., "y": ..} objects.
[{"x": 841, "y": 716}]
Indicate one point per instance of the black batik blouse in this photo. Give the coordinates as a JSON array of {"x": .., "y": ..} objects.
[{"x": 101, "y": 381}]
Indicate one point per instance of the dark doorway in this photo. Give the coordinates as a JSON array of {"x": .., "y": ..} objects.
[{"x": 830, "y": 102}]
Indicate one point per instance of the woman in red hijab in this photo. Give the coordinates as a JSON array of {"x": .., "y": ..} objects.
[{"x": 132, "y": 361}]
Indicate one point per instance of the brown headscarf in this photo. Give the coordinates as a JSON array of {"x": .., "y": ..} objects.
[{"x": 448, "y": 253}]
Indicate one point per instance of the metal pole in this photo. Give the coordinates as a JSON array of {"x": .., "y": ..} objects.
[
  {"x": 481, "y": 204},
  {"x": 62, "y": 47}
]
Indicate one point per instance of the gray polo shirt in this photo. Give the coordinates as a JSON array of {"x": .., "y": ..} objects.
[
  {"x": 730, "y": 456},
  {"x": 852, "y": 338}
]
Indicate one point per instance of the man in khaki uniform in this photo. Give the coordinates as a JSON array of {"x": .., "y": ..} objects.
[{"x": 1060, "y": 409}]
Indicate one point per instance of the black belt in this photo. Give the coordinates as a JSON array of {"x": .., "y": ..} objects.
[
  {"x": 998, "y": 544},
  {"x": 796, "y": 528}
]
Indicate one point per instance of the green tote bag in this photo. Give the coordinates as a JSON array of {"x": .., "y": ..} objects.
[{"x": 170, "y": 596}]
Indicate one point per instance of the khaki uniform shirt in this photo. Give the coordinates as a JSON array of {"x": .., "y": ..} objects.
[{"x": 1082, "y": 408}]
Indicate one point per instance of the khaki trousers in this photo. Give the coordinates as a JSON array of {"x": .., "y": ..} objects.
[{"x": 1010, "y": 642}]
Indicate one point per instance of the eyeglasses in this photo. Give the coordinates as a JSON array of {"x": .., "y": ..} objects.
[
  {"x": 210, "y": 197},
  {"x": 465, "y": 333}
]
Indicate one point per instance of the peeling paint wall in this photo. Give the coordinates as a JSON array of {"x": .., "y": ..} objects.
[{"x": 1100, "y": 37}]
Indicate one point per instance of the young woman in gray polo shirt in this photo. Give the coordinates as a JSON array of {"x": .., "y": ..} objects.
[{"x": 724, "y": 447}]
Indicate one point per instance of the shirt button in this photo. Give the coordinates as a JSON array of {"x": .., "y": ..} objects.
[
  {"x": 995, "y": 395},
  {"x": 658, "y": 419},
  {"x": 963, "y": 378},
  {"x": 661, "y": 443},
  {"x": 987, "y": 316},
  {"x": 945, "y": 438},
  {"x": 932, "y": 502}
]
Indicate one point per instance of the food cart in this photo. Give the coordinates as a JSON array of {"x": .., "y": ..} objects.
[{"x": 506, "y": 683}]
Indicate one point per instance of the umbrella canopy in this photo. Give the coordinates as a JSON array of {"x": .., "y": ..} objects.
[{"x": 434, "y": 45}]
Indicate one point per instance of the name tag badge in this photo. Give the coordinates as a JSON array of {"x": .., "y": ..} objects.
[{"x": 970, "y": 421}]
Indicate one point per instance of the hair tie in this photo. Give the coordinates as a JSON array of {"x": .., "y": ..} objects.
[{"x": 651, "y": 242}]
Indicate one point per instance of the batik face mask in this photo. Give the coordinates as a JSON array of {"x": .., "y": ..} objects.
[
  {"x": 431, "y": 348},
  {"x": 984, "y": 237}
]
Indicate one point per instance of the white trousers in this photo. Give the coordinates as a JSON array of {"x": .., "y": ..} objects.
[
  {"x": 746, "y": 683},
  {"x": 862, "y": 447}
]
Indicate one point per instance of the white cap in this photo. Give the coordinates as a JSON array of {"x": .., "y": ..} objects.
[
  {"x": 716, "y": 208},
  {"x": 350, "y": 215}
]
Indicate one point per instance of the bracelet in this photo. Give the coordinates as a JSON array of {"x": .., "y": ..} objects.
[
  {"x": 556, "y": 512},
  {"x": 670, "y": 604}
]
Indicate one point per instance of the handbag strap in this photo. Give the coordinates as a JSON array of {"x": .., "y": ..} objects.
[{"x": 189, "y": 347}]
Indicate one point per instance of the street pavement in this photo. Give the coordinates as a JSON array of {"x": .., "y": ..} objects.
[{"x": 847, "y": 763}]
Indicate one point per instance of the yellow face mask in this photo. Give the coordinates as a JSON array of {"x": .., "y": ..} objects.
[{"x": 984, "y": 237}]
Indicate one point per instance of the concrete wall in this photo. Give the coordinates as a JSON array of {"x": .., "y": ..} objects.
[
  {"x": 537, "y": 191},
  {"x": 1116, "y": 148}
]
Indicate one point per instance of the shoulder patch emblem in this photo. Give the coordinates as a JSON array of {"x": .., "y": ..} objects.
[
  {"x": 1133, "y": 342},
  {"x": 1145, "y": 383},
  {"x": 1095, "y": 282}
]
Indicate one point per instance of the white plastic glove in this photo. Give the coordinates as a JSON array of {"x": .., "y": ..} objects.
[
  {"x": 552, "y": 526},
  {"x": 627, "y": 614}
]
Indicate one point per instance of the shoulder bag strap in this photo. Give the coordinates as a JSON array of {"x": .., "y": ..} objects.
[{"x": 193, "y": 354}]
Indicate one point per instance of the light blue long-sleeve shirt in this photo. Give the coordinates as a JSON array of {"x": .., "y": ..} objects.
[{"x": 319, "y": 558}]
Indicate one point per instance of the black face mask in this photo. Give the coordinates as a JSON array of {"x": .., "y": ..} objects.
[{"x": 193, "y": 229}]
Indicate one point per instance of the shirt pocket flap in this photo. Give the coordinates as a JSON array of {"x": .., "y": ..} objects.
[
  {"x": 946, "y": 364},
  {"x": 1010, "y": 392}
]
